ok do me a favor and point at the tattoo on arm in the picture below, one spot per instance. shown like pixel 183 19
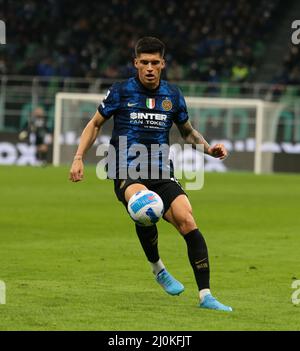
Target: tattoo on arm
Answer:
pixel 192 136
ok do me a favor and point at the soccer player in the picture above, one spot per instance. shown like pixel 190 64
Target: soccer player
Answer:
pixel 148 94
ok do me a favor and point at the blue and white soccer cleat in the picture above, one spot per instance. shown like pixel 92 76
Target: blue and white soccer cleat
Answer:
pixel 211 303
pixel 169 283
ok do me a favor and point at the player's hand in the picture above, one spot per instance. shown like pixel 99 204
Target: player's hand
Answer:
pixel 76 171
pixel 218 151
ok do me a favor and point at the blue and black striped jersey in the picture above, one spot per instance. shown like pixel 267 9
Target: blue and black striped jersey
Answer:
pixel 141 115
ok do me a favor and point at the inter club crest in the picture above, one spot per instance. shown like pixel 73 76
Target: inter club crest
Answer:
pixel 167 105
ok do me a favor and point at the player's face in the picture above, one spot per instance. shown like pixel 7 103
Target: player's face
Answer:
pixel 149 68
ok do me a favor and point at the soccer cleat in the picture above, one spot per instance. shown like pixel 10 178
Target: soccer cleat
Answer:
pixel 169 283
pixel 211 303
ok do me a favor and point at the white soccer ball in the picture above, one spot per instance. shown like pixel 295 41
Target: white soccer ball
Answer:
pixel 145 207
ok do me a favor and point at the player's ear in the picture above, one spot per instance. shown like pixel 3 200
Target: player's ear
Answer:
pixel 163 63
pixel 135 63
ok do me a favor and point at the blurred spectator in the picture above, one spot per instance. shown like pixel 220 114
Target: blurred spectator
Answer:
pixel 29 68
pixel 175 71
pixel 45 68
pixel 37 132
pixel 290 72
pixel 240 72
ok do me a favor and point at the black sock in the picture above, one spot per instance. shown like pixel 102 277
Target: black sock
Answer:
pixel 198 256
pixel 148 238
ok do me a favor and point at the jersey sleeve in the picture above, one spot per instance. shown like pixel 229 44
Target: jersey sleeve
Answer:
pixel 111 102
pixel 181 113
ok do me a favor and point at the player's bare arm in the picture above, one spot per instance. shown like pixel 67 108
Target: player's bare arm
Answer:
pixel 192 136
pixel 87 139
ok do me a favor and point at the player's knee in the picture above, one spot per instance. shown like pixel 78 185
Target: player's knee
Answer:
pixel 186 224
pixel 133 189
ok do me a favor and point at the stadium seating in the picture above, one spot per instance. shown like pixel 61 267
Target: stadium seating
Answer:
pixel 218 36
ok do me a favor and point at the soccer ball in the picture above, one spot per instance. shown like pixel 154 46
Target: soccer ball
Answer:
pixel 145 207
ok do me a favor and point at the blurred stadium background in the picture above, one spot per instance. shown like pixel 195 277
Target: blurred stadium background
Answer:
pixel 59 262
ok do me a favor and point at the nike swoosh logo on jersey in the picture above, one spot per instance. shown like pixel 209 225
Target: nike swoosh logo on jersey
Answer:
pixel 131 104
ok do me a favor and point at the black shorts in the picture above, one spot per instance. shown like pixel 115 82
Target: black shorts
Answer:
pixel 167 189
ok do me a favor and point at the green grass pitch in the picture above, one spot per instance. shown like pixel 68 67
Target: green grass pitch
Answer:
pixel 71 260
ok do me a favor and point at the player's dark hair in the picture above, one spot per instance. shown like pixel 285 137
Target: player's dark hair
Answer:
pixel 149 45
